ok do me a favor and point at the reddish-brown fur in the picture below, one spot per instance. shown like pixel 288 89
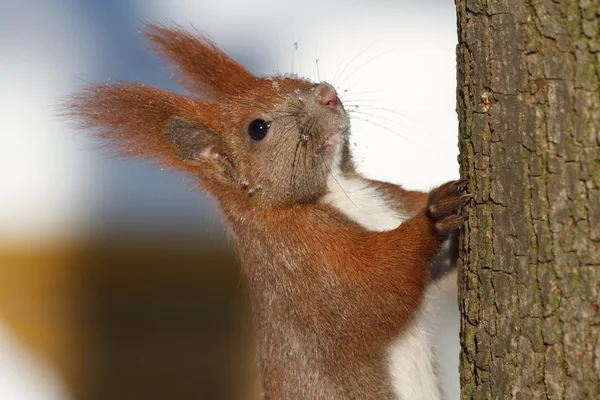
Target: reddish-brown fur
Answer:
pixel 328 295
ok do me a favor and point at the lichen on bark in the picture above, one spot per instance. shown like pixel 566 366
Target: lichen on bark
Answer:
pixel 528 101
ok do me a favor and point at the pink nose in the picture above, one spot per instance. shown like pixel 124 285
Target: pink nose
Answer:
pixel 327 95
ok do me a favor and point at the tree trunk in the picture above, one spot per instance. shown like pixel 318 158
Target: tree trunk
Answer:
pixel 529 268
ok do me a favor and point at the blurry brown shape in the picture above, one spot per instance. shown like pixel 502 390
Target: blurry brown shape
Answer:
pixel 133 320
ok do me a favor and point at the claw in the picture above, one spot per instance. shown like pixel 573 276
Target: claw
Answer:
pixel 466 198
pixel 445 206
pixel 462 182
pixel 449 224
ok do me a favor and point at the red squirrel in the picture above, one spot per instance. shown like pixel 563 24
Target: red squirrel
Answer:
pixel 336 264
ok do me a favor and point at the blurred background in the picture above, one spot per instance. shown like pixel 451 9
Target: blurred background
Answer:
pixel 116 277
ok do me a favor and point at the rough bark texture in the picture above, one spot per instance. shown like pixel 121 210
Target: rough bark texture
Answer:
pixel 529 269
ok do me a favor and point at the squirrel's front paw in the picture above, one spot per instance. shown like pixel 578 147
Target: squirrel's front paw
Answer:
pixel 445 205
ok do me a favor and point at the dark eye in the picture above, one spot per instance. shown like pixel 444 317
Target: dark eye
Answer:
pixel 258 129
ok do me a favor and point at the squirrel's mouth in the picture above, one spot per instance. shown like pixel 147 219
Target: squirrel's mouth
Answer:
pixel 333 140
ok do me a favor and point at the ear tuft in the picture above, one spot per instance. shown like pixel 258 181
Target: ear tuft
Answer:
pixel 193 142
pixel 140 120
pixel 207 69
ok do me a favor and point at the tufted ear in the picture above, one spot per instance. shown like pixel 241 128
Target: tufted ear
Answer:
pixel 195 142
pixel 145 121
pixel 207 69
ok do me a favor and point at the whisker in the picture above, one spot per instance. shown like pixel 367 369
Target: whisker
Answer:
pixel 349 94
pixel 347 65
pixel 294 55
pixel 293 180
pixel 337 182
pixel 403 121
pixel 383 127
pixel 369 107
pixel 336 72
pixel 362 65
pixel 318 72
pixel 372 115
pixel 282 137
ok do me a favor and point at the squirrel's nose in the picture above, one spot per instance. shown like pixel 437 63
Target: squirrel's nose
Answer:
pixel 326 94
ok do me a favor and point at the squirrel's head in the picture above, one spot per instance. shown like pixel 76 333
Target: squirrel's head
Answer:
pixel 274 138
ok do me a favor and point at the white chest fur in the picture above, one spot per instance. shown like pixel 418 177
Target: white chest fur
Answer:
pixel 411 358
pixel 362 203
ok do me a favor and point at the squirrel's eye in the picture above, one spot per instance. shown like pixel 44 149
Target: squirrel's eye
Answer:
pixel 258 129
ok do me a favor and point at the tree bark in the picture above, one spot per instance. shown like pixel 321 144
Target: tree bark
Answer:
pixel 529 268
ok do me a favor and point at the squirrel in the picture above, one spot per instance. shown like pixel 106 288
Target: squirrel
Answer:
pixel 336 264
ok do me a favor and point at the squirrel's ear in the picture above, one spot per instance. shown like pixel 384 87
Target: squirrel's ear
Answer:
pixel 209 70
pixel 141 120
pixel 195 142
